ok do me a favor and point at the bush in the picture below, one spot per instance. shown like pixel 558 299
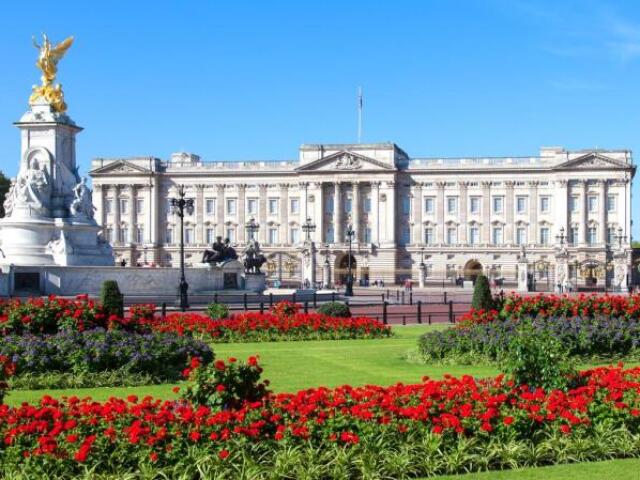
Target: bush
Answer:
pixel 537 358
pixel 335 309
pixel 223 386
pixel 482 298
pixel 7 368
pixel 217 311
pixel 111 299
pixel 162 356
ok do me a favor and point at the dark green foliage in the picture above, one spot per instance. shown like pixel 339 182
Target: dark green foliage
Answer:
pixel 217 311
pixel 5 184
pixel 111 298
pixel 536 358
pixel 335 309
pixel 482 298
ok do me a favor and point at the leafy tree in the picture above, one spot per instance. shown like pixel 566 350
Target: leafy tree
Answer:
pixel 482 298
pixel 111 298
pixel 5 183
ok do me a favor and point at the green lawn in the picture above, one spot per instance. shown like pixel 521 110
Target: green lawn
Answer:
pixel 291 366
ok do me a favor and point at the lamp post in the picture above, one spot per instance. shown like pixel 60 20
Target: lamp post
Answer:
pixel 308 228
pixel 252 227
pixel 561 237
pixel 348 291
pixel 179 206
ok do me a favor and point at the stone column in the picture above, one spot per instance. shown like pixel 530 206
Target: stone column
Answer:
pixel 462 213
pixel 391 212
pixel 533 212
pixel 584 212
pixel 242 188
pixel 262 212
pixel 200 230
pixel 355 210
pixel 304 189
pixel 486 212
pixel 116 214
pixel 602 212
pixel 284 213
pixel 132 214
pixel 155 214
pixel 508 213
pixel 375 212
pixel 220 210
pixel 416 211
pixel 561 204
pixel 98 197
pixel 440 213
pixel 337 217
pixel 318 214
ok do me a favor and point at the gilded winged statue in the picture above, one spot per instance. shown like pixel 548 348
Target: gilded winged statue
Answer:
pixel 47 62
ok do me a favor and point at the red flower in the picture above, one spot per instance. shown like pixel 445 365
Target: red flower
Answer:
pixel 223 454
pixel 507 420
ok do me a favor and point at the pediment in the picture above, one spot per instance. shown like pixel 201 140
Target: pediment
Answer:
pixel 344 161
pixel 121 167
pixel 593 160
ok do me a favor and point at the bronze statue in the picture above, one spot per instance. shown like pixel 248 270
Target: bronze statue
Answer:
pixel 48 59
pixel 253 259
pixel 220 252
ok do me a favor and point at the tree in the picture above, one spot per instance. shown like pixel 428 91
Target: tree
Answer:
pixel 5 184
pixel 482 298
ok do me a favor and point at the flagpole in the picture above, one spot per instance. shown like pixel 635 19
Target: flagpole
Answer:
pixel 359 114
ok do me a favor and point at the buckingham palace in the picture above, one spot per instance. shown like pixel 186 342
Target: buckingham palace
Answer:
pixel 450 218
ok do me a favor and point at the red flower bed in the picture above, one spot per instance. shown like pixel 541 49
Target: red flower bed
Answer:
pixel 549 306
pixel 65 435
pixel 254 326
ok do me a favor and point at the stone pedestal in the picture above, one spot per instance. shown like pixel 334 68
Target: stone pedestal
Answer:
pixel 523 275
pixel 422 271
pixel 308 264
pixel 326 275
pixel 561 272
pixel 621 271
pixel 49 211
pixel 254 282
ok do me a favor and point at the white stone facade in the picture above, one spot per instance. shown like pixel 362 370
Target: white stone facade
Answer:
pixel 462 215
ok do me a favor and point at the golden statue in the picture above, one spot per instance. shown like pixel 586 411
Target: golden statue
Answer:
pixel 48 63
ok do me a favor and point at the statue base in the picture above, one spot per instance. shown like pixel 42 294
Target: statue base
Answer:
pixel 255 282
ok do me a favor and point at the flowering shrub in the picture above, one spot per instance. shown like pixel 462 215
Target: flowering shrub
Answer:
pixel 162 356
pixel 543 305
pixel 610 337
pixel 285 309
pixel 52 314
pixel 217 311
pixel 260 327
pixel 446 426
pixel 7 368
pixel 221 385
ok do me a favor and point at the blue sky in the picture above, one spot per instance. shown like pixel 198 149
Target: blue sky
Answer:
pixel 253 80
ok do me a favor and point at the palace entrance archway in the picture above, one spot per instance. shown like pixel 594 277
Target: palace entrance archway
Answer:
pixel 342 269
pixel 472 269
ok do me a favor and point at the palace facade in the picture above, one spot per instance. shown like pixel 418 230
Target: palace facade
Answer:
pixel 459 216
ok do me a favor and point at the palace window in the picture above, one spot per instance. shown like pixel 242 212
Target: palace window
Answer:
pixel 521 204
pixel 273 206
pixel 452 235
pixel 348 204
pixel 611 203
pixel 294 235
pixel 330 235
pixel 474 235
pixel 429 238
pixel 592 236
pixel 405 235
pixel 273 235
pixel 573 235
pixel 474 205
pixel 496 235
pixel 211 235
pixel 140 235
pixel 592 203
pixel 406 205
pixel 168 236
pixel 521 236
pixel 328 204
pixel 109 235
pixel 252 206
pixel 124 235
pixel 367 204
pixel 611 235
pixel 544 204
pixel 124 206
pixel 544 236
pixel 210 205
pixel 108 205
pixel 428 204
pixel 295 205
pixel 189 237
pixel 498 204
pixel 231 234
pixel 367 235
pixel 452 204
pixel 573 203
pixel 231 206
pixel 139 205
